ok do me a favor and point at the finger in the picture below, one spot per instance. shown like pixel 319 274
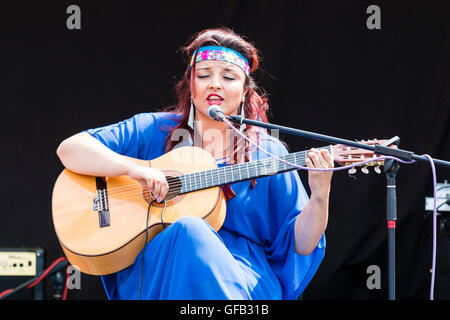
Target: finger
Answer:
pixel 323 160
pixel 156 189
pixel 163 185
pixel 309 163
pixel 328 158
pixel 149 184
pixel 314 156
pixel 164 189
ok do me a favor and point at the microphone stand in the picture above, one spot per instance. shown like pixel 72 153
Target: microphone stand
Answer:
pixel 390 167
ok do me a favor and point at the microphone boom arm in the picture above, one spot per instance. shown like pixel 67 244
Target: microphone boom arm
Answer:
pixel 386 151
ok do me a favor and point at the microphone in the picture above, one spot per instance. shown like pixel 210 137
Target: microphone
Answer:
pixel 215 112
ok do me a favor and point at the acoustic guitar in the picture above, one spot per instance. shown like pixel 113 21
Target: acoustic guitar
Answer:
pixel 101 222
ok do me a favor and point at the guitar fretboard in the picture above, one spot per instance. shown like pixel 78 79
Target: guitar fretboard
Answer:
pixel 243 171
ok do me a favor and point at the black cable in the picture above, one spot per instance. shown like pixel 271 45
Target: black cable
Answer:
pixel 143 250
pixel 162 221
pixel 145 243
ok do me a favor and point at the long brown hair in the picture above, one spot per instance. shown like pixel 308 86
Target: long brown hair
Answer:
pixel 255 104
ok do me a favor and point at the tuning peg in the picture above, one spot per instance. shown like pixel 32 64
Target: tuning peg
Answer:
pixel 352 170
pixel 377 169
pixel 365 170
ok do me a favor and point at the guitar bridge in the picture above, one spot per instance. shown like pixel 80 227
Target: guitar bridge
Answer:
pixel 101 202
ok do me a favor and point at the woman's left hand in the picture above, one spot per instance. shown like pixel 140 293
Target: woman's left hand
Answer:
pixel 319 181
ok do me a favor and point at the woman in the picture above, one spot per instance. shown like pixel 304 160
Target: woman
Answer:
pixel 272 240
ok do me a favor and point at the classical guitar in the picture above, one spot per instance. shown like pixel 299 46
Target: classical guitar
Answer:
pixel 101 222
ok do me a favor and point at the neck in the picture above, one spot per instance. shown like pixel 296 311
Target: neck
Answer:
pixel 212 136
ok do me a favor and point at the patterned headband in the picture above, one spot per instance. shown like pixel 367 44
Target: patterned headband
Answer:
pixel 221 54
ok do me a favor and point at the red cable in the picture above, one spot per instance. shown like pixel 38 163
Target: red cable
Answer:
pixel 5 292
pixel 66 286
pixel 31 285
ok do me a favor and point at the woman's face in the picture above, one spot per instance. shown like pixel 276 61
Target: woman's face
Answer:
pixel 220 83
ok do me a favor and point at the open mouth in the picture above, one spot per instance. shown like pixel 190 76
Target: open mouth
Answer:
pixel 214 99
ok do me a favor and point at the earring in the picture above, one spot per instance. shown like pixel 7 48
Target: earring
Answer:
pixel 243 125
pixel 191 117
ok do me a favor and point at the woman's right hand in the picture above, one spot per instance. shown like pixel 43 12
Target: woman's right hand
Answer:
pixel 151 178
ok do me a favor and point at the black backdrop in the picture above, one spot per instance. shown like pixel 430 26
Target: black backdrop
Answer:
pixel 324 69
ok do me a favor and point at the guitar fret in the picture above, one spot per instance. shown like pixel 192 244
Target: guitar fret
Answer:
pixel 223 177
pixel 256 170
pixel 239 172
pixel 222 174
pixel 182 184
pixel 269 165
pixel 209 177
pixel 248 174
pixel 217 177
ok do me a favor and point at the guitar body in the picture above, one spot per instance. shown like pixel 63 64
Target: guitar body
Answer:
pixel 103 248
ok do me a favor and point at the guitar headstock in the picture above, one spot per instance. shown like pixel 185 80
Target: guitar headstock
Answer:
pixel 346 155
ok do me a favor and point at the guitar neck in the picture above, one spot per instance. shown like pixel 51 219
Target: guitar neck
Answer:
pixel 241 172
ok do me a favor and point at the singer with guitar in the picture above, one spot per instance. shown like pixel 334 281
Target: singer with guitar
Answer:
pixel 266 240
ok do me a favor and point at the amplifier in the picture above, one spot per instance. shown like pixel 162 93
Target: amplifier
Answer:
pixel 18 265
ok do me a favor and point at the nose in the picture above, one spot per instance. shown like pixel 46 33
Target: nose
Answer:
pixel 215 82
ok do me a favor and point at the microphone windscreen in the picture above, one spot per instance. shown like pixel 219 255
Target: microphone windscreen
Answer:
pixel 215 112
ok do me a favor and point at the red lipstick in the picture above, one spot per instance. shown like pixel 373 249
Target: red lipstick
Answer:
pixel 214 99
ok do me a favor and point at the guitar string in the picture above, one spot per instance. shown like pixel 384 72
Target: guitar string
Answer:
pixel 191 179
pixel 235 169
pixel 196 175
pixel 208 176
pixel 136 191
pixel 200 176
pixel 139 195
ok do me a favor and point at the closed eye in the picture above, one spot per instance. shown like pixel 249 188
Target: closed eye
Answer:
pixel 206 76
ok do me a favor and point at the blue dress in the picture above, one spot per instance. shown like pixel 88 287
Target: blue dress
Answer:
pixel 251 257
